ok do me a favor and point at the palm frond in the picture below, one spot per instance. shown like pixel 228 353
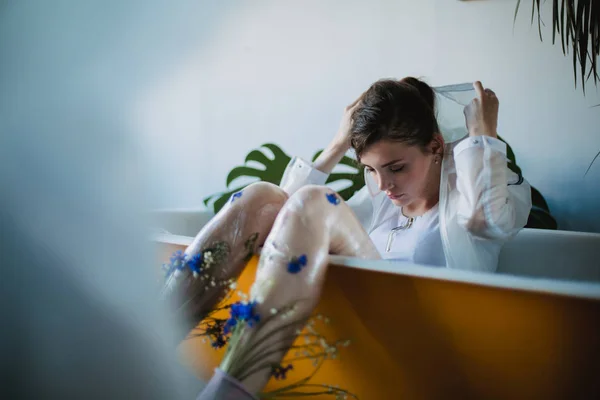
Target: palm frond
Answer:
pixel 592 163
pixel 578 24
pixel 555 20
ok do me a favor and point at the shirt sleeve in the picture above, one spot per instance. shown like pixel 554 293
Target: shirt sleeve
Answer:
pixel 494 202
pixel 299 173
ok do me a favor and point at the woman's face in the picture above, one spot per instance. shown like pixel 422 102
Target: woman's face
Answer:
pixel 404 172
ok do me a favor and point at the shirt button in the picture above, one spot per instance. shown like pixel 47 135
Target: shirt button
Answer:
pixel 475 141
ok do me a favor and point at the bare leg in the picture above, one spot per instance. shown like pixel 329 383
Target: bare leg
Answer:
pixel 222 248
pixel 313 223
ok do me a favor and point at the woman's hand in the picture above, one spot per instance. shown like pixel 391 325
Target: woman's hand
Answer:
pixel 342 138
pixel 340 144
pixel 482 113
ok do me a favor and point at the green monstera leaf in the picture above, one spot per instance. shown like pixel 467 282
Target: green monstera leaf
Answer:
pixel 272 171
pixel 273 168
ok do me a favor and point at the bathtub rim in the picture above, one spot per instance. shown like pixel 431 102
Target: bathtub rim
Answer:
pixel 588 290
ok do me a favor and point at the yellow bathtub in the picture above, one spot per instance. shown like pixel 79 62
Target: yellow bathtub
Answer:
pixel 424 333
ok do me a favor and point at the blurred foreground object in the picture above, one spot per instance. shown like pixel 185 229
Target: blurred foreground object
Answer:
pixel 80 312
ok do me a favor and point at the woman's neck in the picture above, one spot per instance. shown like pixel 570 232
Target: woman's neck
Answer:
pixel 429 200
pixel 420 207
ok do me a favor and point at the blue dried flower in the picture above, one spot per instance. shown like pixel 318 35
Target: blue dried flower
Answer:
pixel 333 198
pixel 236 195
pixel 178 260
pixel 279 371
pixel 245 312
pixel 297 264
pixel 240 312
pixel 229 325
pixel 195 263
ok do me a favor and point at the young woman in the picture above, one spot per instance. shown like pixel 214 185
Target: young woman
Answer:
pixel 442 204
pixel 426 201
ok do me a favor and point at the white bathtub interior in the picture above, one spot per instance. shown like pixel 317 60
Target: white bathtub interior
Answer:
pixel 562 255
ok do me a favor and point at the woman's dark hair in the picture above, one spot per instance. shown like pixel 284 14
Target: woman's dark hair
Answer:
pixel 402 111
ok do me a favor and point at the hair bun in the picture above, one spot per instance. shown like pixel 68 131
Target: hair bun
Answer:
pixel 424 90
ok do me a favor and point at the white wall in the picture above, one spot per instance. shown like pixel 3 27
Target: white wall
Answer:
pixel 205 82
pixel 276 71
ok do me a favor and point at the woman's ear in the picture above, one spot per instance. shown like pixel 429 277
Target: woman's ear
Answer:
pixel 436 146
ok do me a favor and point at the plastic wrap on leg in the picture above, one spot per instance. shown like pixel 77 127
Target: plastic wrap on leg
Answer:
pixel 202 276
pixel 290 276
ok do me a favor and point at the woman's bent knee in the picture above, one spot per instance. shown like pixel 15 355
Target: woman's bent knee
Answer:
pixel 313 200
pixel 258 194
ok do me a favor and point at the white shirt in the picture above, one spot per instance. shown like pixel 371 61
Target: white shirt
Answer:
pixel 420 243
